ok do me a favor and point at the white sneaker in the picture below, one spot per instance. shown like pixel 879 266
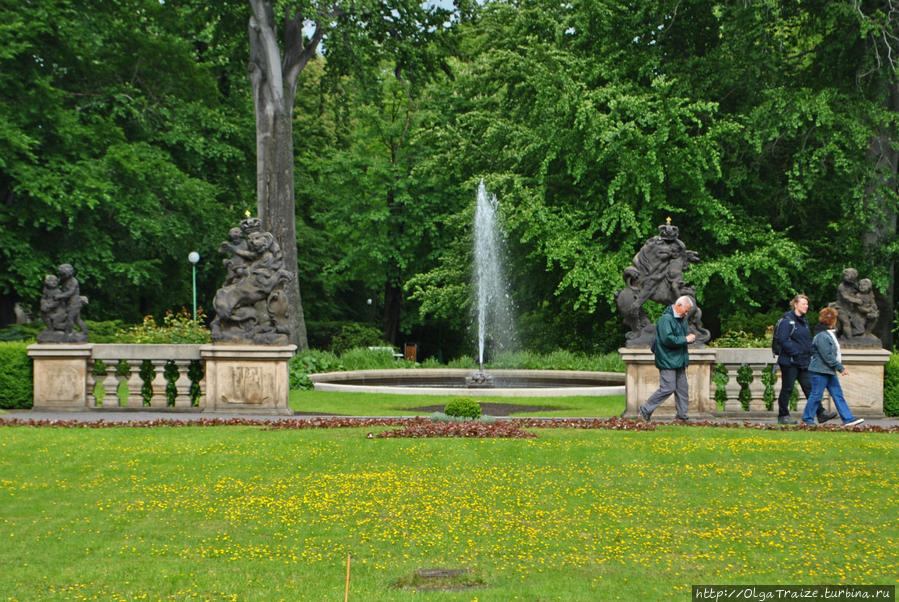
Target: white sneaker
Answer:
pixel 853 422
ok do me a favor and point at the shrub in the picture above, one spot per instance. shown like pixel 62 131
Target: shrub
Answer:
pixel 16 380
pixel 720 378
pixel 891 386
pixel 744 379
pixel 354 335
pixel 22 332
pixel 463 407
pixel 177 327
pixel 740 339
pixel 769 379
pixel 363 358
pixel 309 362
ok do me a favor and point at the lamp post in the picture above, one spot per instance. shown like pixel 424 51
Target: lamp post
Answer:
pixel 193 258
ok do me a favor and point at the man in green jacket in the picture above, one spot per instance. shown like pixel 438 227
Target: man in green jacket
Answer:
pixel 672 359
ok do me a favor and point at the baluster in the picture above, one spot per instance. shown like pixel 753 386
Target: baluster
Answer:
pixel 182 385
pixel 159 399
pixel 90 382
pixel 201 401
pixel 134 384
pixel 111 386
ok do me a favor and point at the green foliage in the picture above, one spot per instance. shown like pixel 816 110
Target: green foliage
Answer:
pixel 147 373
pixel 176 328
pixel 311 361
pixel 16 380
pixel 559 359
pixel 891 386
pixel 794 398
pixel 363 358
pixel 170 373
pixel 769 379
pixel 463 407
pixel 356 334
pixel 195 373
pixel 740 339
pixel 22 332
pixel 106 331
pixel 720 378
pixel 744 379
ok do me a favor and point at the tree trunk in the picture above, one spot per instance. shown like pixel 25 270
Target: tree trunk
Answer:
pixel 274 83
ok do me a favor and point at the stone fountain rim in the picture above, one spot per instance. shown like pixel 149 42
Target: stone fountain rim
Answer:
pixel 335 381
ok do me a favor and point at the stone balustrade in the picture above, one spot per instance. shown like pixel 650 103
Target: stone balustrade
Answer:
pixel 232 378
pixel 862 387
pixel 108 359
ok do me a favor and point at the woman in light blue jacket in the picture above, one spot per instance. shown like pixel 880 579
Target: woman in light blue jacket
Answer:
pixel 826 363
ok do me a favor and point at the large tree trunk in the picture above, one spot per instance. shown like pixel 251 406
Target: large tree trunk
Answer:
pixel 274 83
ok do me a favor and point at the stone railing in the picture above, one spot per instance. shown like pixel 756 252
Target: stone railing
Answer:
pixel 108 359
pixel 233 378
pixel 862 387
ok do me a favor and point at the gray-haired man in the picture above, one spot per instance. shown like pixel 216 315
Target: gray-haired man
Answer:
pixel 672 359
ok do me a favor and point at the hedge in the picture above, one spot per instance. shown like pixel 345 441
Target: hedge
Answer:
pixel 16 380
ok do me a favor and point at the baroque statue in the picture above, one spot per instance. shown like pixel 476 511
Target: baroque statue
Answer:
pixel 857 311
pixel 251 307
pixel 61 303
pixel 657 274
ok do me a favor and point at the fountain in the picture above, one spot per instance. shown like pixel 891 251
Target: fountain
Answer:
pixel 493 315
pixel 493 305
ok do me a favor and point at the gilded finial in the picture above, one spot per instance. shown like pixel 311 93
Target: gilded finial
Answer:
pixel 247 213
pixel 667 220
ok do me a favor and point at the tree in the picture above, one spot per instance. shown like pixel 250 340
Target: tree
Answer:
pixel 120 154
pixel 363 34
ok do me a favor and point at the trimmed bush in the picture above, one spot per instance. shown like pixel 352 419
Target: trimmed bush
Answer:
pixel 354 335
pixel 16 376
pixel 463 407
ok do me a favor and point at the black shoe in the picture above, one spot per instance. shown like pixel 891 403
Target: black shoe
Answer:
pixel 646 415
pixel 681 419
pixel 786 419
pixel 825 416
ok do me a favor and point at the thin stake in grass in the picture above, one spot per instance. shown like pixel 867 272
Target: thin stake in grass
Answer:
pixel 346 595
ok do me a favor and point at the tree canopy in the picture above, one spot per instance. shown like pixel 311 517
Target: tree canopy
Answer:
pixel 768 133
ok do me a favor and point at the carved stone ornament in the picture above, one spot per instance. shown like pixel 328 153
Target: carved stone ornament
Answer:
pixel 251 307
pixel 61 304
pixel 857 312
pixel 657 274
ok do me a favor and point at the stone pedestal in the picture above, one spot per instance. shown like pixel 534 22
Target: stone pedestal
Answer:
pixel 247 379
pixel 60 375
pixel 642 379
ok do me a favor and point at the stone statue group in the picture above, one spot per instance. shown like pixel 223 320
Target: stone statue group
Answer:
pixel 251 308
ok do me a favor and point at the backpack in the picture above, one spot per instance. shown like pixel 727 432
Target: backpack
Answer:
pixel 776 343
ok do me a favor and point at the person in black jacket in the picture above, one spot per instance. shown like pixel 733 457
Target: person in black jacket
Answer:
pixel 795 355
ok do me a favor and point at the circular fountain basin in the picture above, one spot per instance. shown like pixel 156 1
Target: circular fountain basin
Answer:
pixel 451 381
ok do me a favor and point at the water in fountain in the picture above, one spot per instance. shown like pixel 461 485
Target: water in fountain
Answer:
pixel 494 306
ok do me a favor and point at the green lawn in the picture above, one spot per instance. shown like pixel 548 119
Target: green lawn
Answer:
pixel 248 514
pixel 367 404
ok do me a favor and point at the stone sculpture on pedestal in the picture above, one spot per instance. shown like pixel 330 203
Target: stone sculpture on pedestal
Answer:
pixel 657 275
pixel 61 304
pixel 251 308
pixel 858 311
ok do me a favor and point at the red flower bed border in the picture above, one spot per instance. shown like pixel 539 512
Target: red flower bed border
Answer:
pixel 423 427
